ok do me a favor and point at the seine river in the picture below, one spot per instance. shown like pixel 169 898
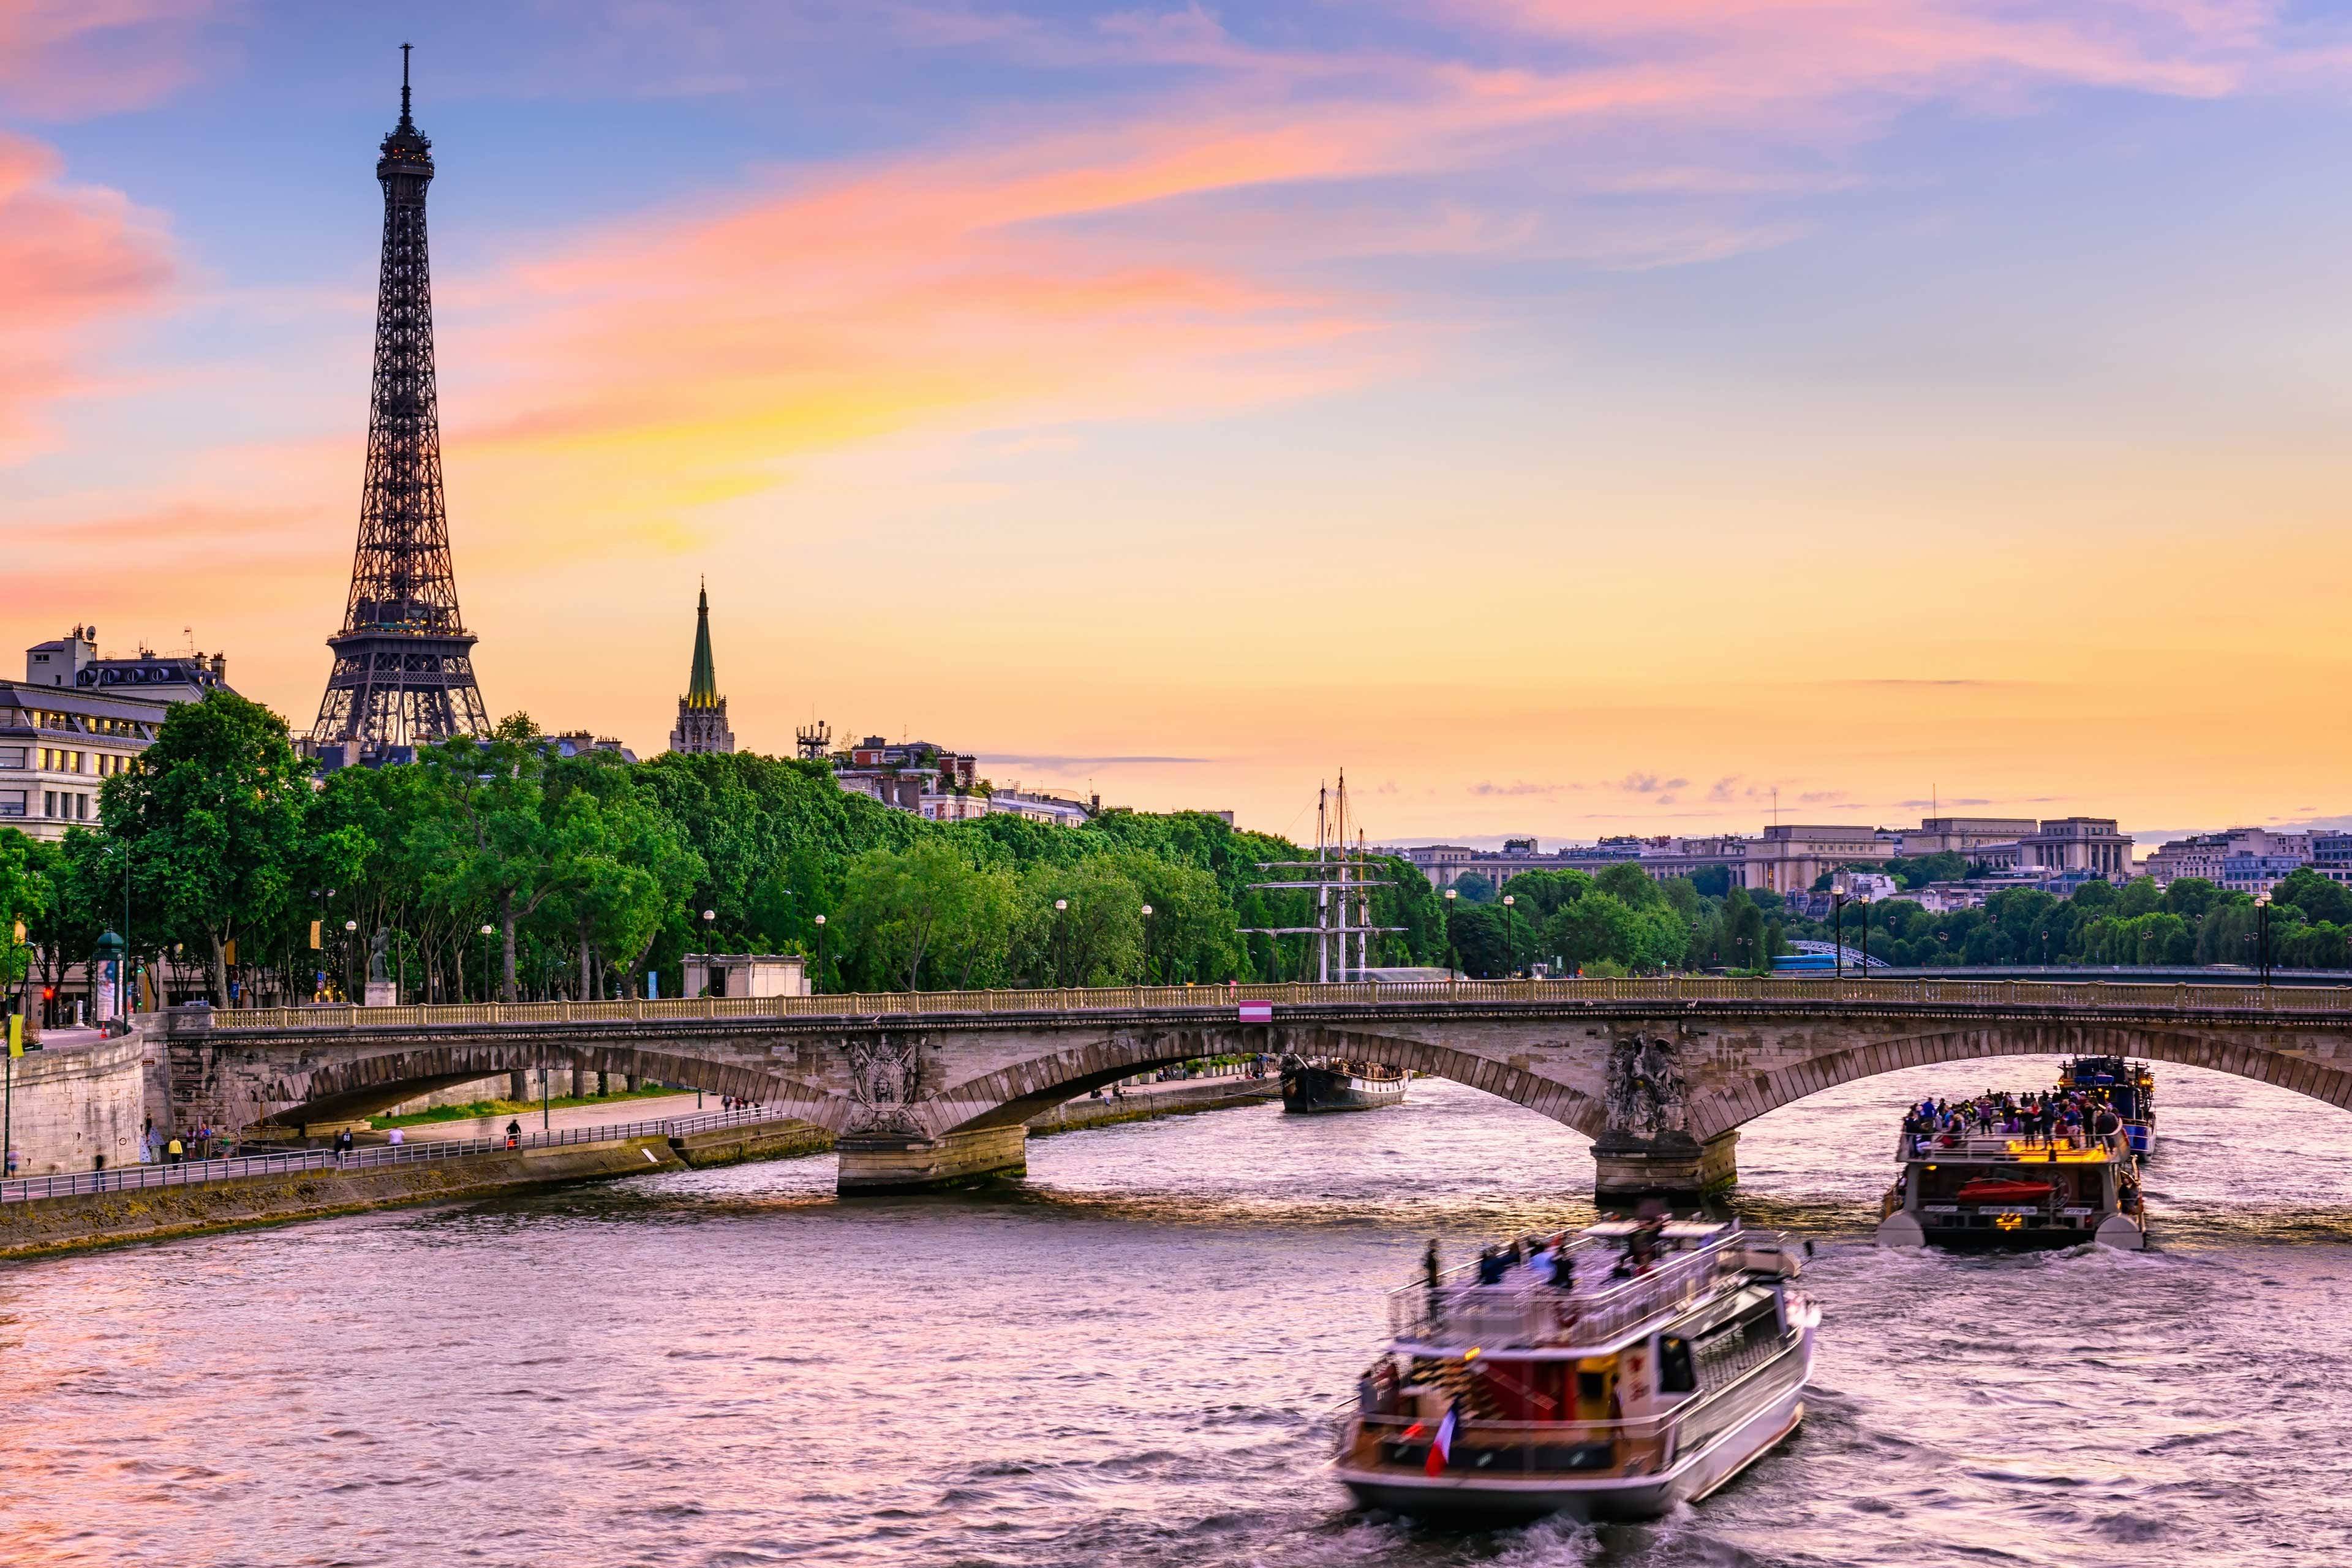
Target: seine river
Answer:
pixel 1130 1360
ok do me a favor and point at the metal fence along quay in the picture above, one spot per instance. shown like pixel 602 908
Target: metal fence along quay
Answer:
pixel 1914 993
pixel 293 1161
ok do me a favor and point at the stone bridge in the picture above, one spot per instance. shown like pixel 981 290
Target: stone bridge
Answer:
pixel 933 1087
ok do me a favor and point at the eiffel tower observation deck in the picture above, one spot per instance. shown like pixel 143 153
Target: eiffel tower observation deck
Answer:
pixel 404 672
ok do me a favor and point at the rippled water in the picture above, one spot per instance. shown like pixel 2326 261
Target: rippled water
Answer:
pixel 1129 1361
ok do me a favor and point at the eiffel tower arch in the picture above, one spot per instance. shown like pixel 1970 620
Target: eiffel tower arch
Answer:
pixel 404 672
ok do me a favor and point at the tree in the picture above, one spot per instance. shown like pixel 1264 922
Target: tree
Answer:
pixel 925 910
pixel 2319 899
pixel 26 895
pixel 499 837
pixel 1477 934
pixel 212 821
pixel 1543 894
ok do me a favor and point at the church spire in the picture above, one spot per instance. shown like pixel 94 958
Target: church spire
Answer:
pixel 702 713
pixel 702 687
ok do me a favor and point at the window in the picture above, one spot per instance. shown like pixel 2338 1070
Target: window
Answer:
pixel 12 803
pixel 48 803
pixel 12 757
pixel 1678 1374
pixel 81 807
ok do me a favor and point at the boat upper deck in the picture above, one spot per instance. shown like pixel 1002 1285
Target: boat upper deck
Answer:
pixel 2011 1148
pixel 1621 1277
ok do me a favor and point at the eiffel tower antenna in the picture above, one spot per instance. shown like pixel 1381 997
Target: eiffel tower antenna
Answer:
pixel 404 672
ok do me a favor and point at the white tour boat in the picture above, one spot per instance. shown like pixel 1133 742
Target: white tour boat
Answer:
pixel 1664 1359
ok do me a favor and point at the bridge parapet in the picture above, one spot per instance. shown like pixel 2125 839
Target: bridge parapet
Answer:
pixel 2093 995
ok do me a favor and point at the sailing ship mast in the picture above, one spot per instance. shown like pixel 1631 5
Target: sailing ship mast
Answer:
pixel 1337 872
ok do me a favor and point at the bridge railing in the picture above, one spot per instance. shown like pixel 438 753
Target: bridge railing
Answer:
pixel 1667 991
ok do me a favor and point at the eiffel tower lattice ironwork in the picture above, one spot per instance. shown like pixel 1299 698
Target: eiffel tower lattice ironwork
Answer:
pixel 403 669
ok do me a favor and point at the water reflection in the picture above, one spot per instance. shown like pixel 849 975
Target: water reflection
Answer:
pixel 1128 1358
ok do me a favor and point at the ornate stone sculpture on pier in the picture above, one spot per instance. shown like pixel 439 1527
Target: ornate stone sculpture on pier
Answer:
pixel 1647 1149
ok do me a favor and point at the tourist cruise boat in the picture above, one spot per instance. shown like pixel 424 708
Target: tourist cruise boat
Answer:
pixel 1334 1085
pixel 2013 1190
pixel 2128 1086
pixel 1673 1357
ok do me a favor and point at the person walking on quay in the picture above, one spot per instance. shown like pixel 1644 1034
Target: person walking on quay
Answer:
pixel 514 1134
pixel 344 1141
pixel 171 1153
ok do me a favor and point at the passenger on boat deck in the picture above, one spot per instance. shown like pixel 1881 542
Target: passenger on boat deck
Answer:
pixel 1491 1267
pixel 1539 1263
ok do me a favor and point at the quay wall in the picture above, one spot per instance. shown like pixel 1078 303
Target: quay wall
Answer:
pixel 792 1140
pixel 67 1107
pixel 157 1214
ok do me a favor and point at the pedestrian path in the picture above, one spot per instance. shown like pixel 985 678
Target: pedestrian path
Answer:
pixel 651 1108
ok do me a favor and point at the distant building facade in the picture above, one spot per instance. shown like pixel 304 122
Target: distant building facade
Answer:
pixel 702 713
pixel 2208 855
pixel 77 720
pixel 73 661
pixel 1788 858
pixel 58 744
pixel 1965 834
pixel 2331 856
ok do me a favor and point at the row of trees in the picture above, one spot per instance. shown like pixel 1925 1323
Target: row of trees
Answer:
pixel 503 867
pixel 2186 922
pixel 1619 922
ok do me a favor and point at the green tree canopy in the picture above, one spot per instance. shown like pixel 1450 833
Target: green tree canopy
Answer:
pixel 212 822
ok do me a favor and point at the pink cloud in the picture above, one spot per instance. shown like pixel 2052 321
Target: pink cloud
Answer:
pixel 72 258
pixel 65 59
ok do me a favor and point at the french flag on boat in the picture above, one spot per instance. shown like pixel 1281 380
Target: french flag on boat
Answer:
pixel 1441 1447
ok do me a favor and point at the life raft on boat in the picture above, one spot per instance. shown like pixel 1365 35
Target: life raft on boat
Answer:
pixel 1989 1190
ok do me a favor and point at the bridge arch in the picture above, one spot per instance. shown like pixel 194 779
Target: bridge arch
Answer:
pixel 351 1089
pixel 1012 1095
pixel 1742 1100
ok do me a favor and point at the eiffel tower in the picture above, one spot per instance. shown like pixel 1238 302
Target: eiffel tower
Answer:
pixel 403 671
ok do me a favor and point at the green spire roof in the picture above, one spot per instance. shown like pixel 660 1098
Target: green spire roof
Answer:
pixel 702 692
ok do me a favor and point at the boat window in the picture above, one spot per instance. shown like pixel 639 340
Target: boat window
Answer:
pixel 1592 1386
pixel 1677 1372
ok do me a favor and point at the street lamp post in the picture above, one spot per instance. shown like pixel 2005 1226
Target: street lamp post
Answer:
pixel 1510 935
pixel 1837 932
pixel 820 951
pixel 108 954
pixel 1061 943
pixel 1146 944
pixel 350 926
pixel 1866 936
pixel 11 1048
pixel 483 966
pixel 2263 925
pixel 1452 953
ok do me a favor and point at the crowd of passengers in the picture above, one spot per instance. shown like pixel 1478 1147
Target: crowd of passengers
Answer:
pixel 1545 1259
pixel 2068 1117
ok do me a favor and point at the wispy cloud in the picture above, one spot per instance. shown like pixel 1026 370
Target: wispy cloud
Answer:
pixel 1049 759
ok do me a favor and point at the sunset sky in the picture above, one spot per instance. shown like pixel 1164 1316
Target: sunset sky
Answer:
pixel 1570 416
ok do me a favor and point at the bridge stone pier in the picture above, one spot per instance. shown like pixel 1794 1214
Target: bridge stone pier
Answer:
pixel 932 1089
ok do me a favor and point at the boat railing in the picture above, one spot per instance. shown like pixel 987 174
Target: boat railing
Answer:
pixel 1521 1309
pixel 1530 1447
pixel 2026 1146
